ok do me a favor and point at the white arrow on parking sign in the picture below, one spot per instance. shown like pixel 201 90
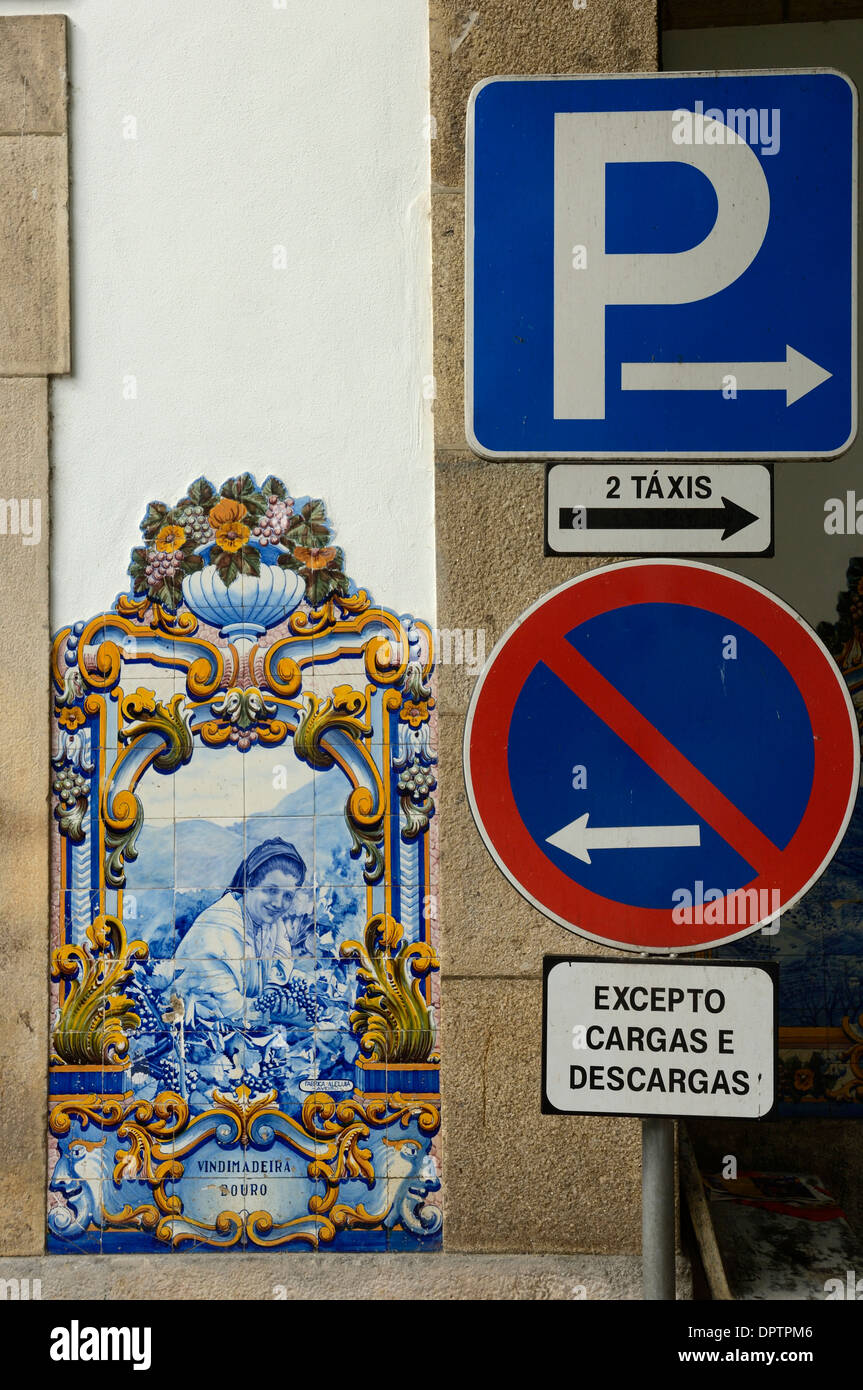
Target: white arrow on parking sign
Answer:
pixel 796 376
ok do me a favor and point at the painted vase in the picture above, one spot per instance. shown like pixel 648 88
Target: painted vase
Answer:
pixel 249 606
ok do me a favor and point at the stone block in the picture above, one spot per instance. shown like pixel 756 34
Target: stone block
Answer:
pixel 34 256
pixel 499 37
pixel 518 1180
pixel 448 281
pixel 25 776
pixel 33 74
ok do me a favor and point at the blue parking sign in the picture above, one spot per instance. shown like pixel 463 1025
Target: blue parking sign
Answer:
pixel 662 265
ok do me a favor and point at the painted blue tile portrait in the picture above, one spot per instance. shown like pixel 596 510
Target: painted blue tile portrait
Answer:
pixel 244 973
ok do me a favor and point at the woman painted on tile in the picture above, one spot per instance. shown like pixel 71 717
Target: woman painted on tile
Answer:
pixel 240 946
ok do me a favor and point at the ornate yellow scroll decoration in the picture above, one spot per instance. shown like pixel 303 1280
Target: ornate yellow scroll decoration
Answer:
pixel 341 1128
pixel 324 619
pixel 392 1019
pixel 181 624
pixel 348 711
pixel 157 1135
pixel 850 1086
pixel 243 716
pixel 122 811
pixel 96 1017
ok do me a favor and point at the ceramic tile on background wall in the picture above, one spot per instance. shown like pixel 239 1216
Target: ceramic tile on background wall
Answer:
pixel 244 1012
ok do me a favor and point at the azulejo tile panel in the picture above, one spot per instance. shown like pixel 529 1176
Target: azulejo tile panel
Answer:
pixel 244 973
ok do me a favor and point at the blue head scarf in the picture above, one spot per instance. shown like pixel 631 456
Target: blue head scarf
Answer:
pixel 260 857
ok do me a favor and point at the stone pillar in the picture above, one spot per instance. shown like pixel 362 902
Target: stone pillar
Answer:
pixel 516 1180
pixel 34 344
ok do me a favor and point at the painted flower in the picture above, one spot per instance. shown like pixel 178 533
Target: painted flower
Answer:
pixel 72 718
pixel 169 539
pixel 226 512
pixel 232 535
pixel 415 714
pixel 804 1079
pixel 316 558
pixel 226 519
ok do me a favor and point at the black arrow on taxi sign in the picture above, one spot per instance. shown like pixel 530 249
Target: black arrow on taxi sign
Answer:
pixel 729 518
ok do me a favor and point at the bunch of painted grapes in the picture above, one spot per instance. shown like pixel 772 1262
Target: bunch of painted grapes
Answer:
pixel 302 993
pixel 167 1072
pixel 271 527
pixel 273 1071
pixel 195 523
pixel 161 566
pixel 419 781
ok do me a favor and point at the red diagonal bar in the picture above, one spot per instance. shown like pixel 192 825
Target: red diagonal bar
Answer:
pixel 664 759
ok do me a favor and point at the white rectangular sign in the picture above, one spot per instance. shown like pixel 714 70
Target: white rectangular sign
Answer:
pixel 666 509
pixel 673 1038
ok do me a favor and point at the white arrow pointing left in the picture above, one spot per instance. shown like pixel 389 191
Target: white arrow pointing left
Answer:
pixel 577 839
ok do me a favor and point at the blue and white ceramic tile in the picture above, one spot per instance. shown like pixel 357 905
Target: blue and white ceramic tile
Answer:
pixel 243 962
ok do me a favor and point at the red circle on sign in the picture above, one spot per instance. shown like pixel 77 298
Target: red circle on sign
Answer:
pixel 788 872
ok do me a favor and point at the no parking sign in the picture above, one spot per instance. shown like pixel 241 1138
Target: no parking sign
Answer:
pixel 661 756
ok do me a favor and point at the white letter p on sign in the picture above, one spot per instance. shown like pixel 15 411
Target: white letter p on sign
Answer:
pixel 584 143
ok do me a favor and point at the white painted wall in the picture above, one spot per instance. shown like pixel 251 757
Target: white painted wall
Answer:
pixel 257 125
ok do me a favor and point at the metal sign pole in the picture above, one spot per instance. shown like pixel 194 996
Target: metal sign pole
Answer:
pixel 657 1208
